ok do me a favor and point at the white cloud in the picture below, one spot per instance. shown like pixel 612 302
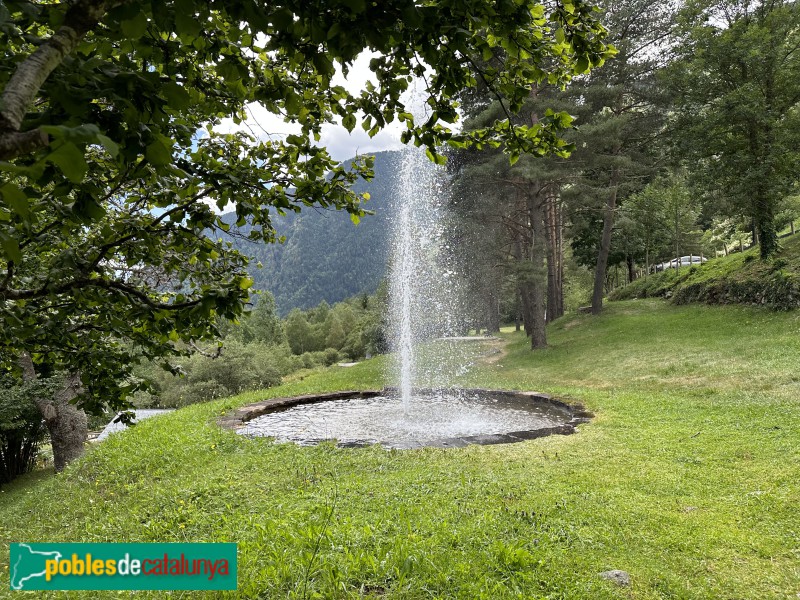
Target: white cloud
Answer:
pixel 340 143
pixel 343 145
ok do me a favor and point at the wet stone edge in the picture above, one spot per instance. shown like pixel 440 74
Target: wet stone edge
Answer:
pixel 239 418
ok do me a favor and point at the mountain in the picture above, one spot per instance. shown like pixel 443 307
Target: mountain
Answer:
pixel 325 256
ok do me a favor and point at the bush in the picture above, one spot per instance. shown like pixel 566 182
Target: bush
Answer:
pixel 312 360
pixel 238 368
pixel 21 427
pixel 330 356
pixel 193 392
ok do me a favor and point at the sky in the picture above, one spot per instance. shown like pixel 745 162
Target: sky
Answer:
pixel 340 143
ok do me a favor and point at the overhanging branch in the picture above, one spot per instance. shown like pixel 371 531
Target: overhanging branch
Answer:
pixel 23 87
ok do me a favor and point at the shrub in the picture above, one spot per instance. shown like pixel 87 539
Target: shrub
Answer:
pixel 21 427
pixel 193 392
pixel 238 368
pixel 312 359
pixel 330 356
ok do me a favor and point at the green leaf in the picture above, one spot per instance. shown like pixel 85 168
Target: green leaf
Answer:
pixel 70 160
pixel 10 247
pixel 87 208
pixel 245 283
pixel 176 95
pixel 323 64
pixel 282 19
pixel 16 199
pixel 357 6
pixel 334 31
pixel 82 134
pixel 349 122
pixel 158 154
pixel 12 168
pixel 355 218
pixel 435 157
pixel 187 23
pixel 110 145
pixel 295 140
pixel 135 27
pixel 228 70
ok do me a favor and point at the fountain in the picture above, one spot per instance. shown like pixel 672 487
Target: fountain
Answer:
pixel 424 407
pixel 423 290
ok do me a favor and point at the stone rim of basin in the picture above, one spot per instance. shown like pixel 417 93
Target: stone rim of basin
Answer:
pixel 239 418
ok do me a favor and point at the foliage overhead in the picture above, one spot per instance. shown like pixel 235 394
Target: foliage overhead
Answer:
pixel 109 115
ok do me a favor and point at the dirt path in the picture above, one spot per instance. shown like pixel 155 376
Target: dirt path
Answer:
pixel 497 350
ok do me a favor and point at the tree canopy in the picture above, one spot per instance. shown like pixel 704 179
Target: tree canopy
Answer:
pixel 736 89
pixel 112 162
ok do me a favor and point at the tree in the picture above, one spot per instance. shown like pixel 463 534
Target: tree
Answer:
pixel 645 224
pixel 108 112
pixel 264 325
pixel 736 92
pixel 299 334
pixel 681 213
pixel 619 119
pixel 661 220
pixel 511 216
pixel 336 335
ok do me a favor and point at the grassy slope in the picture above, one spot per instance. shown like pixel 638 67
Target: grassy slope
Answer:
pixel 736 278
pixel 687 478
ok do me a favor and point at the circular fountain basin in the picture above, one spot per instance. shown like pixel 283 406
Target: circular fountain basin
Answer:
pixel 439 418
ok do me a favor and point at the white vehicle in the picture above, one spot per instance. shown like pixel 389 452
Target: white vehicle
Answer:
pixel 683 261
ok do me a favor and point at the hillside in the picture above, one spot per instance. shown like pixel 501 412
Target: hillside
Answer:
pixel 325 256
pixel 739 278
pixel 687 478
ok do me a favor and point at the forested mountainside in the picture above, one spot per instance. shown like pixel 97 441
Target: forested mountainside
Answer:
pixel 325 256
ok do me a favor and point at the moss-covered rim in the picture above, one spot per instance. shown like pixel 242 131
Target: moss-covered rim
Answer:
pixel 578 415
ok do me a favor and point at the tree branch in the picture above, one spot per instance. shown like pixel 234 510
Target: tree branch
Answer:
pixel 14 143
pixel 23 87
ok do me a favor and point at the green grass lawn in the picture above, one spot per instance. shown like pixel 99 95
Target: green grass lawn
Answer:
pixel 687 478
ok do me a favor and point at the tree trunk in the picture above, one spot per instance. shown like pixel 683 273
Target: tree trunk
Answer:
pixel 67 424
pixel 493 312
pixel 538 253
pixel 526 296
pixel 555 259
pixel 522 289
pixel 631 269
pixel 529 250
pixel 766 235
pixel 605 247
pixel 677 237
